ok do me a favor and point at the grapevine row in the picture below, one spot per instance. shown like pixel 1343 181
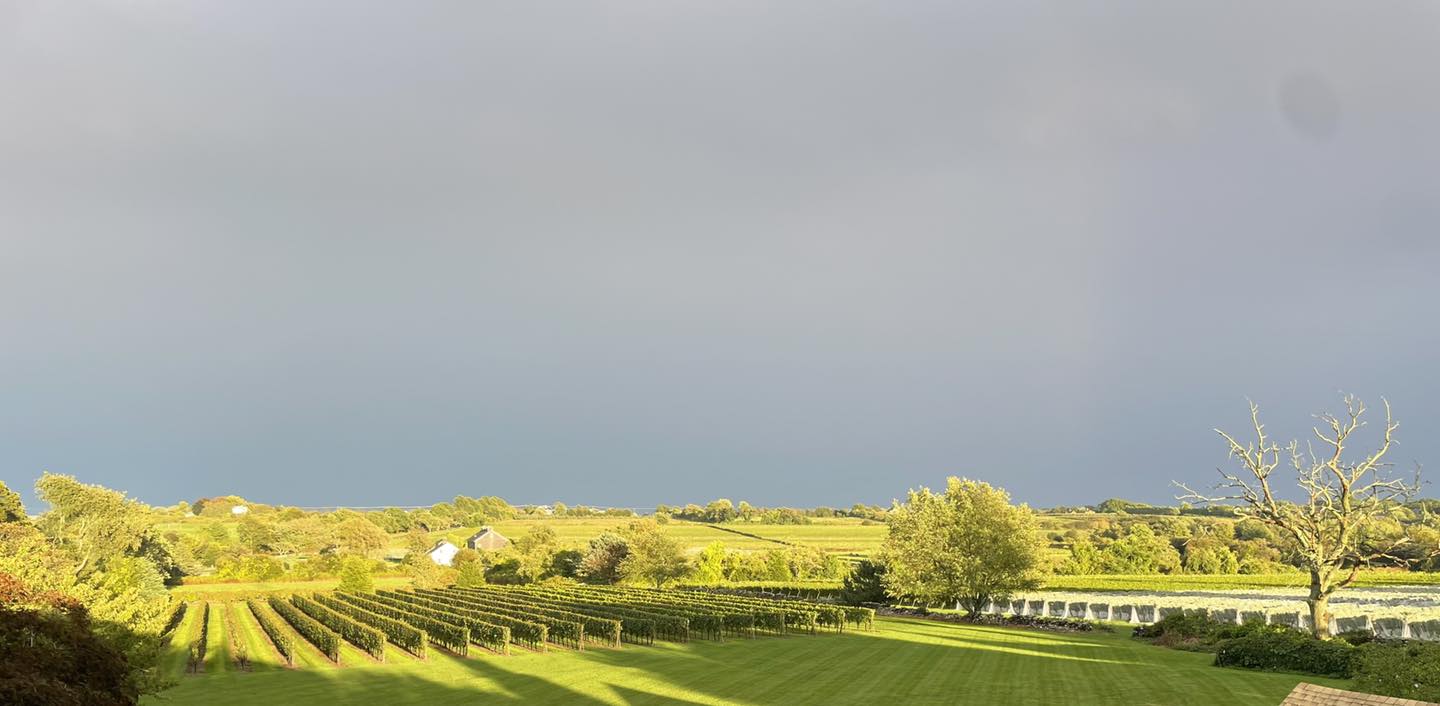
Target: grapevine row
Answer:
pixel 570 633
pixel 524 632
pixel 454 633
pixel 397 632
pixel 282 642
pixel 369 639
pixel 323 638
pixel 603 631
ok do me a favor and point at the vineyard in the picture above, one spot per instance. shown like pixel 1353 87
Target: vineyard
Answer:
pixel 338 628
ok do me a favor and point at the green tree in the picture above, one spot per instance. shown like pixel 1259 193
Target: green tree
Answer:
pixel 469 568
pixel 534 553
pixel 1140 551
pixel 777 566
pixel 356 575
pixel 1208 556
pixel 710 565
pixel 654 557
pixel 1084 559
pixel 565 563
pixel 258 535
pixel 721 510
pixel 357 535
pixel 968 545
pixel 866 584
pixel 428 574
pixel 127 600
pixel 745 511
pixel 53 656
pixel 94 522
pixel 11 509
pixel 603 558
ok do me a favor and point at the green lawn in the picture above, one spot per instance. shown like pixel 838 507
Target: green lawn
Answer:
pixel 902 662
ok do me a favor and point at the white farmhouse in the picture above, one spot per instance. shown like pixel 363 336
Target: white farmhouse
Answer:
pixel 238 510
pixel 443 553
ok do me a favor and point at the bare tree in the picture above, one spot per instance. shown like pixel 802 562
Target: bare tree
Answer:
pixel 1344 496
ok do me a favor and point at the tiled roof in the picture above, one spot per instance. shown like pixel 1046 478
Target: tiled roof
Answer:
pixel 1313 695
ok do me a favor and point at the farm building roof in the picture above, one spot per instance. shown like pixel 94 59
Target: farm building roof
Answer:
pixel 1313 695
pixel 488 539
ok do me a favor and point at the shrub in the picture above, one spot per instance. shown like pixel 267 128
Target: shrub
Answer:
pixel 1409 670
pixel 1179 626
pixel 1286 650
pixel 1356 637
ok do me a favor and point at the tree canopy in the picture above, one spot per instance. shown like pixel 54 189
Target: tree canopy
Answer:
pixel 968 545
pixel 654 557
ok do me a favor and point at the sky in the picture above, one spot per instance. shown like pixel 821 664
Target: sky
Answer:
pixel 625 253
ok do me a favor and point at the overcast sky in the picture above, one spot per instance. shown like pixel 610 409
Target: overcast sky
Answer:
pixel 638 252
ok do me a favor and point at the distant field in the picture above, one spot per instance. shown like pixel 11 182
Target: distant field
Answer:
pixel 902 662
pixel 220 591
pixel 838 536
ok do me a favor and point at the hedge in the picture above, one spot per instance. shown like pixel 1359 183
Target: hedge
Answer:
pixel 1287 650
pixel 1409 670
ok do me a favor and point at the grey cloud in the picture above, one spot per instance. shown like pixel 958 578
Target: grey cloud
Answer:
pixel 638 252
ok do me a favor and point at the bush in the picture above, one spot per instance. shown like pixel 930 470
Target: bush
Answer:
pixel 1409 670
pixel 1283 649
pixel 1196 632
pixel 1179 626
pixel 1356 637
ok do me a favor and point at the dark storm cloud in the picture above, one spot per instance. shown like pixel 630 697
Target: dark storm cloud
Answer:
pixel 638 252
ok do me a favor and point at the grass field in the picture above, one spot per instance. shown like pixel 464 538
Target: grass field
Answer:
pixel 902 662
pixel 839 535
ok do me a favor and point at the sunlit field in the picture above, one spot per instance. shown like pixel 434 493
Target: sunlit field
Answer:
pixel 837 536
pixel 901 662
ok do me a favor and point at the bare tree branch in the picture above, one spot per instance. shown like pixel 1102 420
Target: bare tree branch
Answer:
pixel 1344 498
